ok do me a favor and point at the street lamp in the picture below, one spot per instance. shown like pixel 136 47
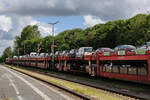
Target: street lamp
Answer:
pixel 53 34
pixel 53 41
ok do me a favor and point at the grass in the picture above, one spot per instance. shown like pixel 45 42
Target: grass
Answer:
pixel 92 92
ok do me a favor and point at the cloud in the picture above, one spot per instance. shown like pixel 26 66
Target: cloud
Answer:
pixel 105 9
pixel 5 23
pixel 44 28
pixel 16 14
pixel 90 20
pixel 11 26
pixel 4 44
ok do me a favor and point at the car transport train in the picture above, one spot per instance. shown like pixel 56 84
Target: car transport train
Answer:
pixel 125 62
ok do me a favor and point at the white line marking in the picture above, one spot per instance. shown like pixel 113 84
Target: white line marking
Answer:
pixel 57 92
pixel 44 96
pixel 14 86
pixel 20 97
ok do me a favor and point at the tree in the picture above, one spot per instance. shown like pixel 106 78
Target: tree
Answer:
pixel 28 33
pixel 46 43
pixel 68 39
pixel 134 31
pixel 31 45
pixel 7 53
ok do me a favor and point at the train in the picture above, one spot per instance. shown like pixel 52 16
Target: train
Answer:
pixel 129 65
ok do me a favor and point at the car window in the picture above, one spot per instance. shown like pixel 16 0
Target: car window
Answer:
pixel 88 49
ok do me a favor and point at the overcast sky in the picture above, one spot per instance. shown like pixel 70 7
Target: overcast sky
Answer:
pixel 16 14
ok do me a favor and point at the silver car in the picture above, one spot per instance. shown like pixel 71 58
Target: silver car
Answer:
pixel 145 45
pixel 125 47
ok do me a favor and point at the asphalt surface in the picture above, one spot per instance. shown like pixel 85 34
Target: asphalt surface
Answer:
pixel 17 86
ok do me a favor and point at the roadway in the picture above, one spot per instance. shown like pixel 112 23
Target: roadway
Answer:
pixel 17 86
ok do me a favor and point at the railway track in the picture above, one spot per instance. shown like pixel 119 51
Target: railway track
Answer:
pixel 106 89
pixel 84 97
pixel 110 90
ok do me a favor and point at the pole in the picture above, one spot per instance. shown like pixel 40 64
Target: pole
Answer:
pixel 53 44
pixel 24 49
pixel 18 57
pixel 53 40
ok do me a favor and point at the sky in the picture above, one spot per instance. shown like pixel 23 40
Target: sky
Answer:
pixel 16 14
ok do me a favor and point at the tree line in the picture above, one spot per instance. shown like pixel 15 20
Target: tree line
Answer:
pixel 134 31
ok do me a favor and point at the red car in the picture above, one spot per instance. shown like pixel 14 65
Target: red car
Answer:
pixel 101 50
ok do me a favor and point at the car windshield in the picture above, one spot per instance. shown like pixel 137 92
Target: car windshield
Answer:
pixel 88 49
pixel 106 49
pixel 63 52
pixel 129 46
pixel 72 51
pixel 101 49
pixel 125 46
pixel 56 52
pixel 146 44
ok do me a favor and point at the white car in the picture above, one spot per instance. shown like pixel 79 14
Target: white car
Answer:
pixel 43 55
pixel 84 51
pixel 15 57
pixel 33 54
pixel 146 46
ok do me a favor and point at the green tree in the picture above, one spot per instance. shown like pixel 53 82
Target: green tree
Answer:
pixel 46 43
pixel 68 39
pixel 28 33
pixel 7 53
pixel 134 31
pixel 31 45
